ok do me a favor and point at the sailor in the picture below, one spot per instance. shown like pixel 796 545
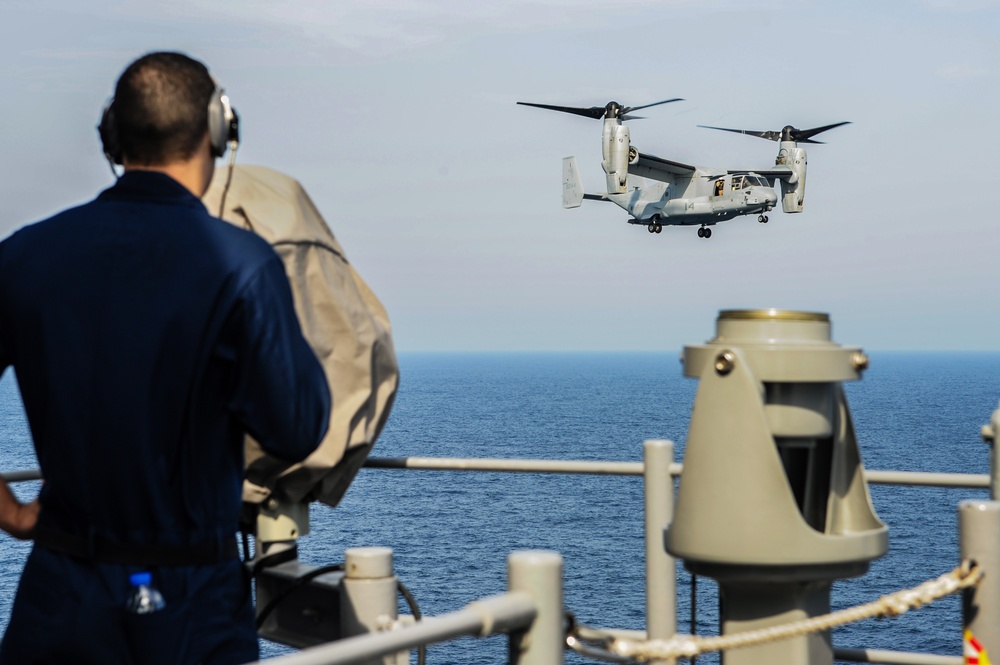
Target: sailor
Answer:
pixel 148 338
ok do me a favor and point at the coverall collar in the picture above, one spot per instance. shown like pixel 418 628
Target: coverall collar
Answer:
pixel 150 186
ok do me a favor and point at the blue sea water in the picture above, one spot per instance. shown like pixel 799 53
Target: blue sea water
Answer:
pixel 452 531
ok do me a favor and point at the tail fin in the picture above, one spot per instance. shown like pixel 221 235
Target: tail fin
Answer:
pixel 572 195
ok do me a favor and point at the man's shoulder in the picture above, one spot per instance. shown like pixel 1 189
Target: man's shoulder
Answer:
pixel 40 228
pixel 190 231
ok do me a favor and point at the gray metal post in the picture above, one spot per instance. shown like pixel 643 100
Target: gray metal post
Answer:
pixel 990 433
pixel 661 571
pixel 369 593
pixel 539 573
pixel 979 539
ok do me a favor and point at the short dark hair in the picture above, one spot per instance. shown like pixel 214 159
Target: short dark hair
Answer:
pixel 161 108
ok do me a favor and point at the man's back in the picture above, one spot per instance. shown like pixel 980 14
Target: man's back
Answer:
pixel 145 339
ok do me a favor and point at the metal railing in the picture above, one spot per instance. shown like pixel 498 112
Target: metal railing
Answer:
pixel 534 601
pixel 602 468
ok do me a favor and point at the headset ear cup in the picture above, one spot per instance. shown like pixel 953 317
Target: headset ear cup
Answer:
pixel 223 125
pixel 108 132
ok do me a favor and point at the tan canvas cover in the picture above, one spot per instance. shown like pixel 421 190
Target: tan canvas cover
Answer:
pixel 341 318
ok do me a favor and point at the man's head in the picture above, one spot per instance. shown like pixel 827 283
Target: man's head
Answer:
pixel 161 109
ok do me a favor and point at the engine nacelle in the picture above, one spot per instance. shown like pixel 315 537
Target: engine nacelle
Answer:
pixel 793 190
pixel 616 155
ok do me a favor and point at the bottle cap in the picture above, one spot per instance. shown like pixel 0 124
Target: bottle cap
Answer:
pixel 139 579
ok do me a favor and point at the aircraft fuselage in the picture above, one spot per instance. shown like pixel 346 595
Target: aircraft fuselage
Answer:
pixel 704 198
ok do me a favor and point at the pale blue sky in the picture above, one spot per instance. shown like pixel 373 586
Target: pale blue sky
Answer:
pixel 400 120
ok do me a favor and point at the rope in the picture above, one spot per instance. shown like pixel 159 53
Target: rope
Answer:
pixel 689 646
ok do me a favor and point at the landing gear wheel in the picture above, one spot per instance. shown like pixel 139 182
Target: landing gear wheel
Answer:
pixel 708 233
pixel 762 219
pixel 651 228
pixel 659 227
pixel 701 232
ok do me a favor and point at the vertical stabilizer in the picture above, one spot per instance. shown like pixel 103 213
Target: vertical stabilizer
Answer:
pixel 572 195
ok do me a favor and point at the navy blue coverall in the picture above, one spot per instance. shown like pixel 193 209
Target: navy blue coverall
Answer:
pixel 147 338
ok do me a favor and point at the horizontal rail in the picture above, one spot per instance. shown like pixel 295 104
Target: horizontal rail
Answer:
pixel 924 478
pixel 914 478
pixel 21 476
pixel 497 614
pixel 512 465
pixel 929 479
pixel 895 657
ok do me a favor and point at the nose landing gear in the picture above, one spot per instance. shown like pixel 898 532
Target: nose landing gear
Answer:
pixel 762 219
pixel 704 232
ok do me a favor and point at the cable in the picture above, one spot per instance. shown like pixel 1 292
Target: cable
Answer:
pixel 411 602
pixel 246 547
pixel 233 145
pixel 298 582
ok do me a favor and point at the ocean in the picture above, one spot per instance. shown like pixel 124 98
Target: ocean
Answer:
pixel 452 531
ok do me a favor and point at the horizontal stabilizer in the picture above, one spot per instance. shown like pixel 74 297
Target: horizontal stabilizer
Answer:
pixel 572 195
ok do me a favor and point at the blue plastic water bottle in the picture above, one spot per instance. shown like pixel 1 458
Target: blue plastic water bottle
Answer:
pixel 144 599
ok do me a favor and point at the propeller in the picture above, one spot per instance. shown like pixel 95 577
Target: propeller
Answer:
pixel 609 110
pixel 787 133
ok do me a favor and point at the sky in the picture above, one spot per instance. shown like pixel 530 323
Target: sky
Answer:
pixel 399 119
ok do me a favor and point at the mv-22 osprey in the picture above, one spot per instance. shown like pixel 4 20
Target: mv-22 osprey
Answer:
pixel 687 195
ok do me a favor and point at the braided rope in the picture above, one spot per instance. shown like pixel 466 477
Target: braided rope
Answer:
pixel 894 604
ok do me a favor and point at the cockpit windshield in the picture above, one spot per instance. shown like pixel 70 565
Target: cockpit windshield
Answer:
pixel 744 181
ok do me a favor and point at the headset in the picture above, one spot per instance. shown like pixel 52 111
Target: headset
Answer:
pixel 223 132
pixel 223 127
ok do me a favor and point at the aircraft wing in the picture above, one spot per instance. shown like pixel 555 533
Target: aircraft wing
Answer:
pixel 657 168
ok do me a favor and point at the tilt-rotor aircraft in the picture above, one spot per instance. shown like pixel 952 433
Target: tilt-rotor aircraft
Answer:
pixel 685 195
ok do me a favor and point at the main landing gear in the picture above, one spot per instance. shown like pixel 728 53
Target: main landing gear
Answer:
pixel 762 219
pixel 654 227
pixel 704 232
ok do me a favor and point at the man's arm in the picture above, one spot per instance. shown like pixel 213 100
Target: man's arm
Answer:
pixel 282 395
pixel 16 518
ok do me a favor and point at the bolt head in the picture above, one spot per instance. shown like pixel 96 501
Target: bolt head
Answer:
pixel 724 363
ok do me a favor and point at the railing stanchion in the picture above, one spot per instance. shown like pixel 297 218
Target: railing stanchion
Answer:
pixel 991 432
pixel 540 574
pixel 661 570
pixel 369 595
pixel 979 539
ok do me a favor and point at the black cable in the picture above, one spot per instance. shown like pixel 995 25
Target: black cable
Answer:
pixel 229 177
pixel 298 582
pixel 281 556
pixel 246 547
pixel 411 602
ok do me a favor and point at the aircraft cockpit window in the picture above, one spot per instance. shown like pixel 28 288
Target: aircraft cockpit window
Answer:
pixel 738 182
pixel 755 181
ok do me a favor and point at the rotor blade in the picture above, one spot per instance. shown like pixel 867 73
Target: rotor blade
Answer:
pixel 770 136
pixel 629 109
pixel 595 112
pixel 633 117
pixel 803 135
